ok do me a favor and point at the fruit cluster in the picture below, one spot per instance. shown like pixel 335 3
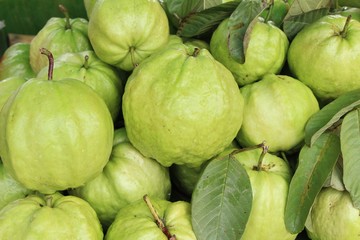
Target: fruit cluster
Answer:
pixel 183 120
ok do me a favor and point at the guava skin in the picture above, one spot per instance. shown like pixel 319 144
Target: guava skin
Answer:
pixel 333 217
pixel 270 189
pixel 55 37
pixel 55 135
pixel 123 32
pixel 126 178
pixel 10 189
pixel 266 52
pixel 323 59
pixel 100 76
pixel 39 217
pixel 15 62
pixel 135 221
pixel 186 110
pixel 8 86
pixel 276 110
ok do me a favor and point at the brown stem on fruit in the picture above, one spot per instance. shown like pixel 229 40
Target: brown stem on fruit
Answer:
pixel 196 51
pixel 158 221
pixel 132 53
pixel 86 62
pixel 344 30
pixel 64 10
pixel 261 158
pixel 51 62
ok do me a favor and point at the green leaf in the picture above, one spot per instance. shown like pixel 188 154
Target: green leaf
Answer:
pixel 203 21
pixel 330 114
pixel 239 21
pixel 294 24
pixel 335 180
pixel 350 147
pixel 182 8
pixel 315 165
pixel 221 201
pixel 302 6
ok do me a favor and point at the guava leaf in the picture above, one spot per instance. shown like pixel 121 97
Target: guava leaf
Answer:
pixel 330 114
pixel 350 147
pixel 221 201
pixel 335 180
pixel 294 24
pixel 314 166
pixel 246 12
pixel 201 22
pixel 182 8
pixel 302 6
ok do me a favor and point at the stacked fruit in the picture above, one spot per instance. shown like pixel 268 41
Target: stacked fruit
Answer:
pixel 183 120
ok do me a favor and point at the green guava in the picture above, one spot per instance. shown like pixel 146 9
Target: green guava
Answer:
pixel 185 110
pixel 49 217
pixel 127 177
pixel 333 217
pixel 123 32
pixel 8 86
pixel 55 135
pixel 15 62
pixel 276 110
pixel 136 221
pixel 269 177
pixel 59 36
pixel 266 50
pixel 10 189
pixel 324 56
pixel 88 68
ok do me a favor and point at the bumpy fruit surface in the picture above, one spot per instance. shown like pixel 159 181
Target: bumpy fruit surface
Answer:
pixel 324 55
pixel 333 217
pixel 276 110
pixel 265 53
pixel 185 110
pixel 55 134
pixel 123 32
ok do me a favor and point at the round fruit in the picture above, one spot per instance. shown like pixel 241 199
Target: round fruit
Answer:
pixel 136 221
pixel 127 177
pixel 265 52
pixel 49 217
pixel 276 110
pixel 269 177
pixel 55 134
pixel 88 68
pixel 333 216
pixel 324 56
pixel 8 86
pixel 123 32
pixel 185 110
pixel 59 36
pixel 16 62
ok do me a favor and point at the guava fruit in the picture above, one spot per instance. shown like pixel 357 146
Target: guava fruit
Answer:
pixel 8 86
pixel 15 62
pixel 276 110
pixel 185 110
pixel 10 189
pixel 269 177
pixel 333 217
pixel 55 135
pixel 49 217
pixel 59 36
pixel 266 50
pixel 88 68
pixel 123 32
pixel 127 177
pixel 137 221
pixel 324 56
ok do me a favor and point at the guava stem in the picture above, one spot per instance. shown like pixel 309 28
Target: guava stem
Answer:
pixel 86 62
pixel 64 10
pixel 344 30
pixel 158 221
pixel 51 62
pixel 268 15
pixel 261 158
pixel 196 51
pixel 248 148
